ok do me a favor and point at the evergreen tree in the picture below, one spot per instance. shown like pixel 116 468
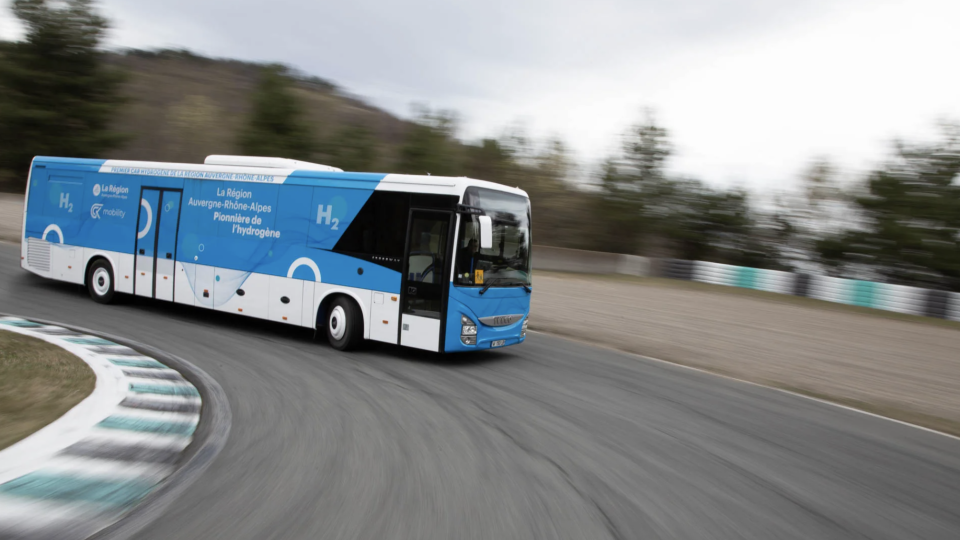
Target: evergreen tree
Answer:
pixel 635 190
pixel 911 220
pixel 488 161
pixel 352 148
pixel 643 210
pixel 430 146
pixel 276 127
pixel 56 95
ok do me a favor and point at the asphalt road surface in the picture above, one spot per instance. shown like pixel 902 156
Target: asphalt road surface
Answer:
pixel 551 439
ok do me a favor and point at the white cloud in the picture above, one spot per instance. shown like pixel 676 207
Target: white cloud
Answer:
pixel 750 90
pixel 10 29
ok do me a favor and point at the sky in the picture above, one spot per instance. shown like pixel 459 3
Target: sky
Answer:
pixel 750 90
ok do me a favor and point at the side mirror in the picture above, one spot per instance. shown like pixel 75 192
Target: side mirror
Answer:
pixel 486 232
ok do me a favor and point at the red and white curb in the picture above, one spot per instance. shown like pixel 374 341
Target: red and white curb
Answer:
pixel 88 468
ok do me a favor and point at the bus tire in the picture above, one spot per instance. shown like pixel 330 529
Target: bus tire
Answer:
pixel 100 283
pixel 344 324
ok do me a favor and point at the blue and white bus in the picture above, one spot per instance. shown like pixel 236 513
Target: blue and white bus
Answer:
pixel 435 263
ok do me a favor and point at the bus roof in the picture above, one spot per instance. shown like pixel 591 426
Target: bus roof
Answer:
pixel 442 185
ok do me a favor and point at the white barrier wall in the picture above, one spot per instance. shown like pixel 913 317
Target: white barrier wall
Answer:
pixel 954 311
pixel 829 288
pixel 715 273
pixel 775 281
pixel 898 298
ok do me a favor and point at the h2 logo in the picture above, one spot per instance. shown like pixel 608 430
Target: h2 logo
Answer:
pixel 325 217
pixel 65 202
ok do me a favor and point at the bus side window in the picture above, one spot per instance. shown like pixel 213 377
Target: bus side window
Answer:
pixel 64 197
pixel 62 206
pixel 377 232
pixel 38 192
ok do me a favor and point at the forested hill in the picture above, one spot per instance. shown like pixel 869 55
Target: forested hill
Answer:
pixel 183 107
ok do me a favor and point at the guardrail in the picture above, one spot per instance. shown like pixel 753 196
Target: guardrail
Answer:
pixel 885 296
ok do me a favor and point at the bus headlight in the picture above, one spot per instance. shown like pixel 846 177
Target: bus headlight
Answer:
pixel 468 331
pixel 523 331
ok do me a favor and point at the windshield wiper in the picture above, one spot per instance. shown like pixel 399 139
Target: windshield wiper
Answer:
pixel 490 283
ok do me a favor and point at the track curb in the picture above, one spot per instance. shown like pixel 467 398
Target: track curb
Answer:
pixel 209 437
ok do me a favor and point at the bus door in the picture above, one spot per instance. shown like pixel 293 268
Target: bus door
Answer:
pixel 425 281
pixel 156 247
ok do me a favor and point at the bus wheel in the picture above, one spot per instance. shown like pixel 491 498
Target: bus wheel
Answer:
pixel 100 282
pixel 344 324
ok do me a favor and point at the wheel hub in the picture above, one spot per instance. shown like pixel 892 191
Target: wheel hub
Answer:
pixel 338 323
pixel 101 281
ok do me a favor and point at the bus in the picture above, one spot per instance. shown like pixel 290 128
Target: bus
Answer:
pixel 435 263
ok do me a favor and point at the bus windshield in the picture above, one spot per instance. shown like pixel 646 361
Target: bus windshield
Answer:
pixel 508 261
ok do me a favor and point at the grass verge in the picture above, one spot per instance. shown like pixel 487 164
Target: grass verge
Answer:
pixel 39 382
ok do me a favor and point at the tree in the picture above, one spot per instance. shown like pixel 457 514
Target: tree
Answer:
pixel 430 146
pixel 640 209
pixel 352 148
pixel 911 219
pixel 57 97
pixel 489 160
pixel 276 126
pixel 634 189
pixel 804 217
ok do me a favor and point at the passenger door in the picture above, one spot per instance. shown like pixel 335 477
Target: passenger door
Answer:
pixel 425 281
pixel 167 243
pixel 156 244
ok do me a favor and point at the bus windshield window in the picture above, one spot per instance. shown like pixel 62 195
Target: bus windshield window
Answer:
pixel 508 261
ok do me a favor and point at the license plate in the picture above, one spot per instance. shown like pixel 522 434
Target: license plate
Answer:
pixel 498 343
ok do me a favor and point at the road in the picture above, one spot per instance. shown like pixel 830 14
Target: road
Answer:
pixel 552 439
pixel 905 366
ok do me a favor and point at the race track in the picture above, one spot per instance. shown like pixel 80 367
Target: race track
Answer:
pixel 551 439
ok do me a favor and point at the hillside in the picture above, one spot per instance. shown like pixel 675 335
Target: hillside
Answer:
pixel 184 107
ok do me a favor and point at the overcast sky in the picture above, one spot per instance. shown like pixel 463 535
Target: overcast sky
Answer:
pixel 751 90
